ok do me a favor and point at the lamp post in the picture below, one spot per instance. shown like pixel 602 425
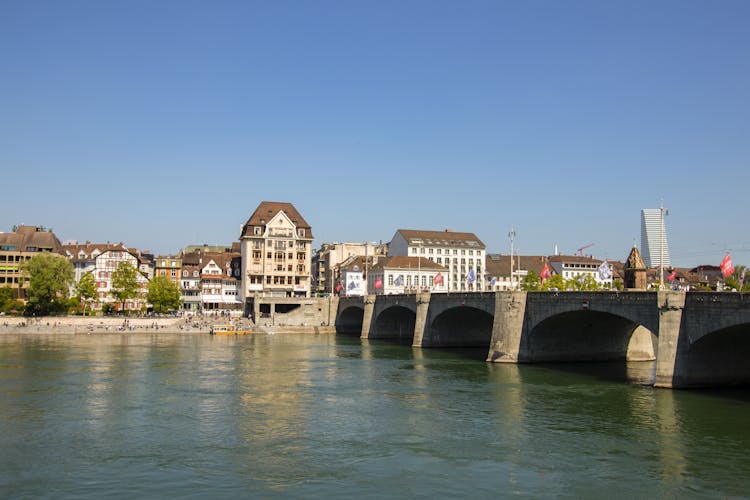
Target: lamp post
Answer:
pixel 662 212
pixel 512 236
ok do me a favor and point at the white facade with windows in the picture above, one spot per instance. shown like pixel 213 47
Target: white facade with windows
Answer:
pixel 461 254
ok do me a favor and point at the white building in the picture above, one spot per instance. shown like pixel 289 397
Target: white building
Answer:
pixel 654 247
pixel 102 260
pixel 576 267
pixel 461 254
pixel 399 274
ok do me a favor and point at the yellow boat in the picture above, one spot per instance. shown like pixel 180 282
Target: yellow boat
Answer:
pixel 229 330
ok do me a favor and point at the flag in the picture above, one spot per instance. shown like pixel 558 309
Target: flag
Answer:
pixel 438 279
pixel 605 272
pixel 471 277
pixel 352 285
pixel 493 281
pixel 399 280
pixel 545 274
pixel 672 276
pixel 726 266
pixel 379 283
pixel 339 286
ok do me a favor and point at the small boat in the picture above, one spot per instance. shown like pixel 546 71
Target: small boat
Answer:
pixel 229 330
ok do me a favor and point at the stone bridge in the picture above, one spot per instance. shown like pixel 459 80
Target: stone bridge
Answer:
pixel 697 338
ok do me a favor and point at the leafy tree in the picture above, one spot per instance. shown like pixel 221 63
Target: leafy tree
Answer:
pixel 50 276
pixel 86 290
pixel 555 282
pixel 8 302
pixel 125 283
pixel 530 282
pixel 732 282
pixel 584 282
pixel 6 295
pixel 163 294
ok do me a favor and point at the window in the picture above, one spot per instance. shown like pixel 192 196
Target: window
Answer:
pixel 471 252
pixel 439 251
pixel 424 280
pixel 301 233
pixel 195 274
pixel 256 231
pixel 413 250
pixel 439 260
pixel 390 280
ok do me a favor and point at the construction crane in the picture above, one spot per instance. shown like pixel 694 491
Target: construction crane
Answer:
pixel 584 247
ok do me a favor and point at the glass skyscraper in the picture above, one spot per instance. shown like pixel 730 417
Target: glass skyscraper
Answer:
pixel 654 237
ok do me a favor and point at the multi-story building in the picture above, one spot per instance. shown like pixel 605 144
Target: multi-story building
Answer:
pixel 19 246
pixel 326 259
pixel 190 287
pixel 462 254
pixel 168 267
pixel 210 281
pixel 400 274
pixel 102 260
pixel 276 248
pixel 654 237
pixel 577 266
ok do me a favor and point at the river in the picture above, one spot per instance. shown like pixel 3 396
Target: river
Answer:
pixel 308 416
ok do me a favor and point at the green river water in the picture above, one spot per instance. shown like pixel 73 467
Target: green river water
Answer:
pixel 312 416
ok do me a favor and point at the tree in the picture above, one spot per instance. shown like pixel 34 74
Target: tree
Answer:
pixel 86 290
pixel 50 276
pixel 555 282
pixel 163 294
pixel 732 282
pixel 125 283
pixel 530 282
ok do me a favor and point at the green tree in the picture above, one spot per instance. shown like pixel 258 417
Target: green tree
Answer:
pixel 125 283
pixel 8 302
pixel 6 295
pixel 86 290
pixel 50 276
pixel 163 294
pixel 732 282
pixel 555 282
pixel 585 282
pixel 531 282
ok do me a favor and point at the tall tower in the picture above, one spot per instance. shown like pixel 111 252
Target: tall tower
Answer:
pixel 654 237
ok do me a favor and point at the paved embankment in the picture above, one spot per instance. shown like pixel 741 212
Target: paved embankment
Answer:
pixel 77 324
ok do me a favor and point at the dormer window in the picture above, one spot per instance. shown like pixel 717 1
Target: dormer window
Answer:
pixel 301 233
pixel 256 231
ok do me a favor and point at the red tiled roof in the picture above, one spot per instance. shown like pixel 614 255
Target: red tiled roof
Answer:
pixel 268 209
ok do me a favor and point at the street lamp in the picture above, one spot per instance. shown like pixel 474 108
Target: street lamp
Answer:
pixel 662 212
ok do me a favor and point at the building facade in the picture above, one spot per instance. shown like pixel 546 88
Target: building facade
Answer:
pixel 397 274
pixel 102 260
pixel 655 250
pixel 578 267
pixel 327 259
pixel 276 250
pixel 19 246
pixel 463 255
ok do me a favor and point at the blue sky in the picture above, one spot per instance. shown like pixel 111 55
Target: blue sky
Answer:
pixel 165 123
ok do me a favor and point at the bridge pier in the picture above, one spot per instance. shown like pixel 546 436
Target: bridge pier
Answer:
pixel 672 347
pixel 507 328
pixel 421 324
pixel 369 303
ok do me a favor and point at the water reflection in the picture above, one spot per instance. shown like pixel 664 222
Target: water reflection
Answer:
pixel 303 415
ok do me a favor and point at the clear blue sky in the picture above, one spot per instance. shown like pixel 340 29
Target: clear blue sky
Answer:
pixel 165 123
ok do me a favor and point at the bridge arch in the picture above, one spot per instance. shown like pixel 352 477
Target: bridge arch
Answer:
pixel 349 320
pixel 463 326
pixel 394 322
pixel 584 335
pixel 718 357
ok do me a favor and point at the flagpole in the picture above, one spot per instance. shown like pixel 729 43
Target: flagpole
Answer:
pixel 511 235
